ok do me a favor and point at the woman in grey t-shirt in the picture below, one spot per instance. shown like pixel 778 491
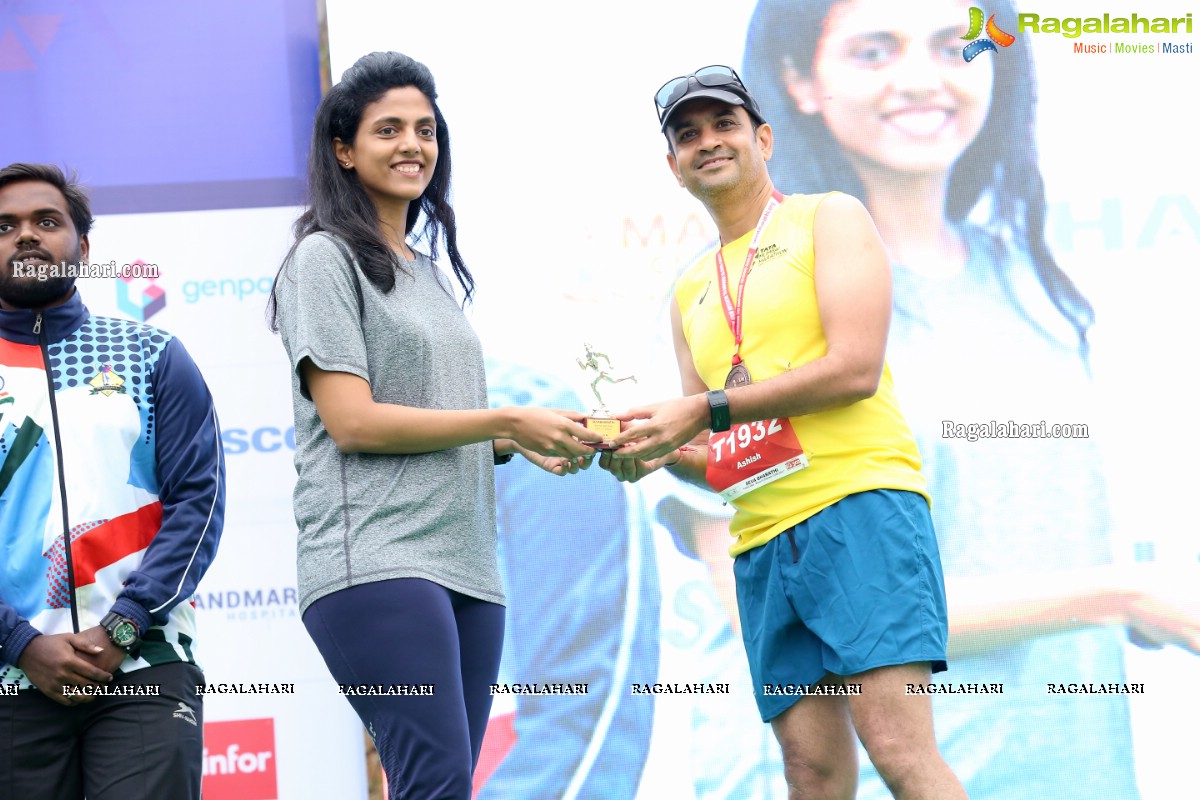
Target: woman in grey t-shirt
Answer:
pixel 395 444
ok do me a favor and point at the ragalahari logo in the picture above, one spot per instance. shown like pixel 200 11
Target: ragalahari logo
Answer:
pixel 996 36
pixel 140 298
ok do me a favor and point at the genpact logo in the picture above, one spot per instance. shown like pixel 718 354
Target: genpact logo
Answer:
pixel 140 298
pixel 996 36
pixel 242 288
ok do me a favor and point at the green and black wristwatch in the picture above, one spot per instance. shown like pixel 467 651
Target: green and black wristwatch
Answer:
pixel 123 633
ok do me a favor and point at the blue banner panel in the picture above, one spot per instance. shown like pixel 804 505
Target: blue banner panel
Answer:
pixel 164 106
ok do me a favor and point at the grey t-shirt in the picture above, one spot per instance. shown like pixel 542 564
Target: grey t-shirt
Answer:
pixel 366 517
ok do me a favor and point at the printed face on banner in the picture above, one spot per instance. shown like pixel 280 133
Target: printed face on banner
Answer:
pixel 892 85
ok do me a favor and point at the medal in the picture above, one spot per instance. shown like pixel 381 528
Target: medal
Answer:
pixel 739 375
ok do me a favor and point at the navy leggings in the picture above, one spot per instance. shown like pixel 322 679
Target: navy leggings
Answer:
pixel 409 631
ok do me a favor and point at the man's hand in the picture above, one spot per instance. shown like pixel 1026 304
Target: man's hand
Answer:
pixel 52 661
pixel 109 657
pixel 660 429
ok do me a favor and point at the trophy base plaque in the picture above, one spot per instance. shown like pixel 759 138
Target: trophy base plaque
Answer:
pixel 605 426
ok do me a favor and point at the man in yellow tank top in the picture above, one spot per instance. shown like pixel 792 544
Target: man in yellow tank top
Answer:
pixel 789 413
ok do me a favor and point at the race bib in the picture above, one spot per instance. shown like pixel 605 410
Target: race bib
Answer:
pixel 751 455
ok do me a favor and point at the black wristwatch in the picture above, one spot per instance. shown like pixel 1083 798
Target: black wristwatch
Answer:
pixel 123 633
pixel 718 411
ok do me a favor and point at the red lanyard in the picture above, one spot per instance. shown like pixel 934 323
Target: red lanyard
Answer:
pixel 733 315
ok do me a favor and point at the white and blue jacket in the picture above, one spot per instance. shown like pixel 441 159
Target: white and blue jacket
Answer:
pixel 108 432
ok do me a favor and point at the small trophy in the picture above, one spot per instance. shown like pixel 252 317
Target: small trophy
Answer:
pixel 600 420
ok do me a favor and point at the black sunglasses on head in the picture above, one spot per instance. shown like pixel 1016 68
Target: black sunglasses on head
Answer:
pixel 712 76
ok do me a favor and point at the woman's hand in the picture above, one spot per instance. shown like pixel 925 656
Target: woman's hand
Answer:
pixel 552 433
pixel 552 464
pixel 558 466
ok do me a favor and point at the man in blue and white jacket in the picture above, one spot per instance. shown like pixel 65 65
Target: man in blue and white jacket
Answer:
pixel 112 498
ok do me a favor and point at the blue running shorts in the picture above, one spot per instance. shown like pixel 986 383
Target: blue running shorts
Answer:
pixel 854 587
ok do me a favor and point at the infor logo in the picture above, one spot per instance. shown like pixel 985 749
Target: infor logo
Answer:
pixel 995 35
pixel 238 760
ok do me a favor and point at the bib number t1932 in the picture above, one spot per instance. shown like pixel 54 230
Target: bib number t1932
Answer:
pixel 751 455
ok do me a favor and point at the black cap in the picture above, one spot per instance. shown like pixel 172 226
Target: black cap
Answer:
pixel 735 93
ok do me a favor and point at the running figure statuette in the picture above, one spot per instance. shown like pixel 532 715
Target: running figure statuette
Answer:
pixel 599 421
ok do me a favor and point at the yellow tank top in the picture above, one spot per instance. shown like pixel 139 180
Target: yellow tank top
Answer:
pixel 866 445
